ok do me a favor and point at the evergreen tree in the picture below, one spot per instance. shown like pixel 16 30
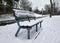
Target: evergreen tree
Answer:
pixel 0 1
pixel 36 10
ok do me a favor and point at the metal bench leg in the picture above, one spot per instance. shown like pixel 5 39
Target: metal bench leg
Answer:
pixel 36 27
pixel 18 28
pixel 40 24
pixel 28 33
pixel 17 32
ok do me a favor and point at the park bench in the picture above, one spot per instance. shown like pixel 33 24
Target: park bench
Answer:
pixel 27 23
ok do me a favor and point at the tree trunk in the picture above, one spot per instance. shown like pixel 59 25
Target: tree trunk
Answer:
pixel 51 8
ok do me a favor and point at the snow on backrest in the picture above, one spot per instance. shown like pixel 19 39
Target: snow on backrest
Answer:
pixel 22 13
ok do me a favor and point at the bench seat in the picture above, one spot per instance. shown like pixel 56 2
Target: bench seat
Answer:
pixel 31 23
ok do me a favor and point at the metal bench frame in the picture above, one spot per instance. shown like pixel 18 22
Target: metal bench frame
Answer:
pixel 27 27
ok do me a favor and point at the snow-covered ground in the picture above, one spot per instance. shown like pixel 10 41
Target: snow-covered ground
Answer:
pixel 5 17
pixel 49 33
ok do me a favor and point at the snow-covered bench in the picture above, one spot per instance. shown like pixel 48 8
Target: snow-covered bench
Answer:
pixel 26 24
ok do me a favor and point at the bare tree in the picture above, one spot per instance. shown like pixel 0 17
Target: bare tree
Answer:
pixel 51 11
pixel 25 5
pixel 51 7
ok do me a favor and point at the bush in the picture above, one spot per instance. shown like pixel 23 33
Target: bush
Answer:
pixel 5 10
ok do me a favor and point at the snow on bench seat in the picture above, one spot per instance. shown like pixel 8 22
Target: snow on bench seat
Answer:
pixel 31 23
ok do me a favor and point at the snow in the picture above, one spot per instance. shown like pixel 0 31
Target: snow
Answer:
pixel 22 13
pixel 5 17
pixel 49 33
pixel 32 22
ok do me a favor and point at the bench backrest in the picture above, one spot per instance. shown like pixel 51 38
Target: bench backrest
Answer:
pixel 23 15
